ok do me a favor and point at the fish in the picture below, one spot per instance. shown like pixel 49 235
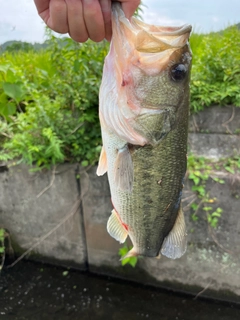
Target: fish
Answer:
pixel 143 112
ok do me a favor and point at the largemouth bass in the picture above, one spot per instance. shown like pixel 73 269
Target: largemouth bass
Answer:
pixel 144 107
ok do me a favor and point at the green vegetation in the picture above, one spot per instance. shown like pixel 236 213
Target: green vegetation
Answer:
pixel 13 46
pixel 131 260
pixel 200 170
pixel 19 46
pixel 49 103
pixel 216 69
pixel 49 98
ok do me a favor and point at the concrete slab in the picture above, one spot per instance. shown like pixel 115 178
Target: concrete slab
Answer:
pixel 97 209
pixel 216 119
pixel 30 215
pixel 214 146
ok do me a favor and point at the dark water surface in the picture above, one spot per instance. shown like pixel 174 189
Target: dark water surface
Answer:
pixel 36 291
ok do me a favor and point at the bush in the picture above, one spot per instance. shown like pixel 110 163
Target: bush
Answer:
pixel 49 98
pixel 50 102
pixel 216 69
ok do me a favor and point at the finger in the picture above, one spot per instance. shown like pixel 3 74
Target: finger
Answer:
pixel 42 5
pixel 106 12
pixel 93 20
pixel 58 16
pixel 129 7
pixel 76 24
pixel 43 9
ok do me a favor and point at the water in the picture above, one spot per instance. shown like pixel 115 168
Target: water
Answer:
pixel 31 291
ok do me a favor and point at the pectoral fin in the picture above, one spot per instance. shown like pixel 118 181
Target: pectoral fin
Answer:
pixel 123 171
pixel 115 228
pixel 175 244
pixel 102 164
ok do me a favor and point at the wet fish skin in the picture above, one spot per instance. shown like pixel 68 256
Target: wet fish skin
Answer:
pixel 144 106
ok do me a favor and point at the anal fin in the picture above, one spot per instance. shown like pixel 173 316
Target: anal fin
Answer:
pixel 123 170
pixel 115 228
pixel 102 164
pixel 175 244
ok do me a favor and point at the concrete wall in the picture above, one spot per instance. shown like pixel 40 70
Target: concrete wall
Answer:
pixel 81 208
pixel 31 215
pixel 215 133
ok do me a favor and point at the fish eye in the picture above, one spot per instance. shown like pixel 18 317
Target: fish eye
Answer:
pixel 178 72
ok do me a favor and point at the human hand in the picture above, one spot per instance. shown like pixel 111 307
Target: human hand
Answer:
pixel 82 19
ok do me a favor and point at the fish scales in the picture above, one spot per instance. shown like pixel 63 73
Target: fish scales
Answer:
pixel 149 197
pixel 144 106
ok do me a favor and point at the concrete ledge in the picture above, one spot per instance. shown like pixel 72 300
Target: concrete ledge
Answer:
pixel 29 217
pixel 214 146
pixel 216 119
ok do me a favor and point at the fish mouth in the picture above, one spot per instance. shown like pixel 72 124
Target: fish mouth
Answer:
pixel 149 38
pixel 161 30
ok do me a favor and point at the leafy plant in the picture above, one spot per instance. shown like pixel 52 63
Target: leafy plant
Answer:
pixel 51 103
pixel 213 217
pixel 199 170
pixel 221 181
pixel 216 71
pixel 232 165
pixel 131 260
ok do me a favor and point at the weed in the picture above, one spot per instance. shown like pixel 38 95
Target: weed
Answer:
pixel 199 170
pixel 131 260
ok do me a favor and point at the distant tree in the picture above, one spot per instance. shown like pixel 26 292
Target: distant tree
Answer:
pixel 20 46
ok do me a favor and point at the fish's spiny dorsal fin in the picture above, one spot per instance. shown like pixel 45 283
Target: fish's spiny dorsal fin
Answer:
pixel 175 244
pixel 115 227
pixel 102 163
pixel 123 170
